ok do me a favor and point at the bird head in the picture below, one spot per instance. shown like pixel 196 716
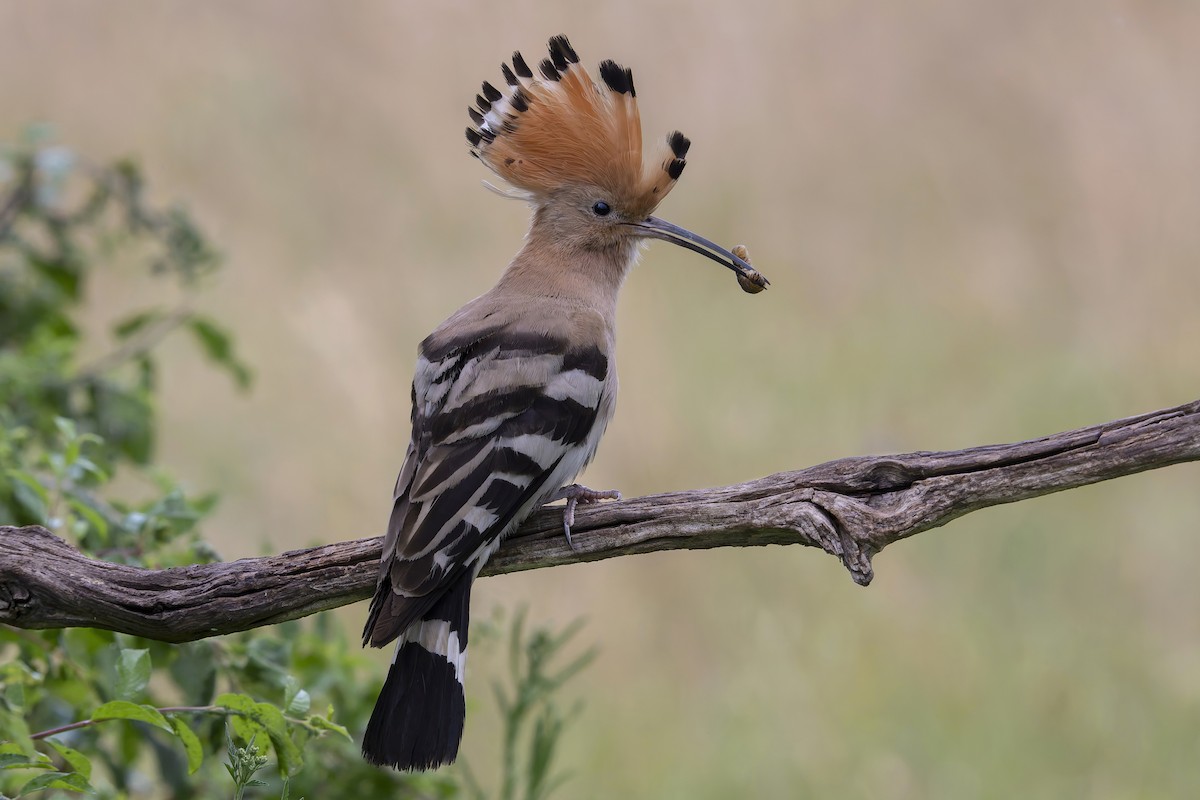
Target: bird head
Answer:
pixel 572 147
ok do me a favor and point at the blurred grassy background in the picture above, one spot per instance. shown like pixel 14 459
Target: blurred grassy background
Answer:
pixel 980 220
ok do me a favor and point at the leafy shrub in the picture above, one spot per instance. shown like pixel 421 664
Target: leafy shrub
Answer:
pixel 84 710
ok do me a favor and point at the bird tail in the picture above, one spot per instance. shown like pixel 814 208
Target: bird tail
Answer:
pixel 418 719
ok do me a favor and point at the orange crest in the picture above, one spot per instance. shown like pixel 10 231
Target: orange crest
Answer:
pixel 562 128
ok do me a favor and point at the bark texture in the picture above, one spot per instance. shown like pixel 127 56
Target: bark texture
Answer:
pixel 851 508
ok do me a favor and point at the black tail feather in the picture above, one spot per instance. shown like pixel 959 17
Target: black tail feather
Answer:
pixel 418 719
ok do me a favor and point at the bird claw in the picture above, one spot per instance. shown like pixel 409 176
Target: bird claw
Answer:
pixel 574 495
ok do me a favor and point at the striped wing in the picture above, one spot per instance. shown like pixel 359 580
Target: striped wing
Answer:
pixel 500 420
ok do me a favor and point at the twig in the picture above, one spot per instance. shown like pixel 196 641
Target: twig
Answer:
pixel 84 723
pixel 851 508
pixel 16 199
pixel 224 711
pixel 140 343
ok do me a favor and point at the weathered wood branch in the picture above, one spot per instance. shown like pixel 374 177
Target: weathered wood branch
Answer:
pixel 851 508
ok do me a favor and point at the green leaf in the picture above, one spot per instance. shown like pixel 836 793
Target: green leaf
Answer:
pixel 235 702
pixel 546 732
pixel 78 761
pixel 272 719
pixel 195 672
pixel 91 516
pixel 215 340
pixel 133 673
pixel 147 373
pixel 71 781
pixel 300 704
pixel 121 709
pixel 253 717
pixel 218 346
pixel 14 696
pixel 325 724
pixel 572 669
pixel 289 755
pixel 18 760
pixel 29 492
pixel 243 722
pixel 73 450
pixel 191 744
pixel 17 731
pixel 296 701
pixel 66 428
pixel 269 657
pixel 135 322
pixel 84 645
pixel 123 417
pixel 85 466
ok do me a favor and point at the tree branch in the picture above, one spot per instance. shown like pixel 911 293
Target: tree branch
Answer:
pixel 851 508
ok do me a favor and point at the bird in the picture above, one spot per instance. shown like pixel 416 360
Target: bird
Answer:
pixel 512 393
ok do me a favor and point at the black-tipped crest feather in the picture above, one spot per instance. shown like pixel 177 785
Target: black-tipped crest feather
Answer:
pixel 679 144
pixel 558 57
pixel 519 100
pixel 616 77
pixel 562 45
pixel 520 66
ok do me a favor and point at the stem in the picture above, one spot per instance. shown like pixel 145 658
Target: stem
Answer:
pixel 164 710
pixel 18 199
pixel 141 343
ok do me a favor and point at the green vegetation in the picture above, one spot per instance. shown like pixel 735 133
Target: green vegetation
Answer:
pixel 111 715
pixel 979 220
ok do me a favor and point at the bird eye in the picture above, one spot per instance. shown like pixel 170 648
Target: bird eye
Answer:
pixel 601 208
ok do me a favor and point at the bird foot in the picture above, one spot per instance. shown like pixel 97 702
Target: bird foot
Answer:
pixel 574 495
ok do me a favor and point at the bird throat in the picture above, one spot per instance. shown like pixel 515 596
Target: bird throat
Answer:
pixel 589 276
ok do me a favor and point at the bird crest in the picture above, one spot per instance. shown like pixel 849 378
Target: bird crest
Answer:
pixel 559 127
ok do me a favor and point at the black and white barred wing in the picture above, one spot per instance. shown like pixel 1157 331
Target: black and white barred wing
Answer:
pixel 498 423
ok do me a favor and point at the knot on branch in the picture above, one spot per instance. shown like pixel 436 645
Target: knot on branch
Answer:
pixel 821 519
pixel 26 557
pixel 13 596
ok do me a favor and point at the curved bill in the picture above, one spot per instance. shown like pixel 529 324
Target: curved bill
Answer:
pixel 656 228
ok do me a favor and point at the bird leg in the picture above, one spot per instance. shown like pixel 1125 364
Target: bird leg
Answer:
pixel 574 495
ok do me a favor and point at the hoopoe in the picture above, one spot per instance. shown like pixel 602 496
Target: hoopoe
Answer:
pixel 513 392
